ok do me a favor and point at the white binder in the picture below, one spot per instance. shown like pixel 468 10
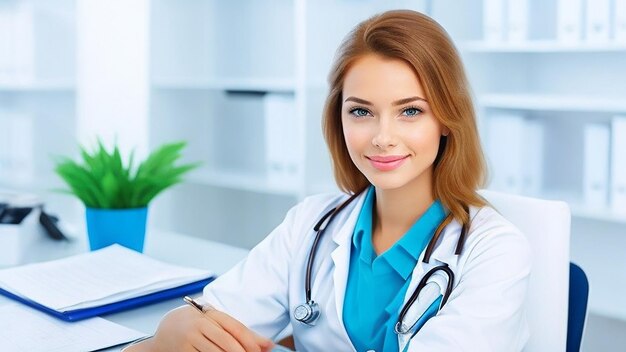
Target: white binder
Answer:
pixel 493 20
pixel 618 164
pixel 505 151
pixel 517 26
pixel 281 131
pixel 619 23
pixel 569 20
pixel 24 45
pixel 533 149
pixel 7 40
pixel 17 163
pixel 596 165
pixel 598 21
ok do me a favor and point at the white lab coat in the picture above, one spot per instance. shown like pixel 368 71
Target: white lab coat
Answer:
pixel 485 311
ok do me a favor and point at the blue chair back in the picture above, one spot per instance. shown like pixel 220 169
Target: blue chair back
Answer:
pixel 578 296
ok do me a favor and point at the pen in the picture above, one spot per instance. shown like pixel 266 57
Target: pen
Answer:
pixel 199 307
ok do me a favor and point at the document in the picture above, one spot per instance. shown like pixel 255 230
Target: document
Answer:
pixel 93 279
pixel 26 329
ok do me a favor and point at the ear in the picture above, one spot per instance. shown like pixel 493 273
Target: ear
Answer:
pixel 445 132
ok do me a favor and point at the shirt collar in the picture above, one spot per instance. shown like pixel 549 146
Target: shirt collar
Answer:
pixel 403 255
pixel 362 238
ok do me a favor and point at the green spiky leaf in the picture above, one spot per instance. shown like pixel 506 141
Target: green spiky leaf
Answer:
pixel 102 180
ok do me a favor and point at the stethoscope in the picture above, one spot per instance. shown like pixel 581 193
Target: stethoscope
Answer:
pixel 309 312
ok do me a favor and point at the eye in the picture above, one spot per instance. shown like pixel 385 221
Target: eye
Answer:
pixel 412 111
pixel 359 112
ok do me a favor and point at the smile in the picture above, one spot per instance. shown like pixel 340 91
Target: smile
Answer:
pixel 387 163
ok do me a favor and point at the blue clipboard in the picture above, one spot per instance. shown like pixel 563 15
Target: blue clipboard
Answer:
pixel 84 313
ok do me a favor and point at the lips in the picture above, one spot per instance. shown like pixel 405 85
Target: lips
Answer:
pixel 387 162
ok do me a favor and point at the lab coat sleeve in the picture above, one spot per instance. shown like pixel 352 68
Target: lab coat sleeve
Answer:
pixel 486 311
pixel 255 290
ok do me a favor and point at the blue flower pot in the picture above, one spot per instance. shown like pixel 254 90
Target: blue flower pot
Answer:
pixel 124 226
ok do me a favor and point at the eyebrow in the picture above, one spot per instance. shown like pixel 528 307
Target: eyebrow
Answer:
pixel 395 103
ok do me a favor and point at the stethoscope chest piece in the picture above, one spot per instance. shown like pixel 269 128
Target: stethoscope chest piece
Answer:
pixel 307 313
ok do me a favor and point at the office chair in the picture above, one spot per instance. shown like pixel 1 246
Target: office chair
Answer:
pixel 578 297
pixel 547 227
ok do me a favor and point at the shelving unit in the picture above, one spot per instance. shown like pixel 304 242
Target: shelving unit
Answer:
pixel 38 97
pixel 552 102
pixel 241 181
pixel 39 86
pixel 561 87
pixel 243 84
pixel 231 58
pixel 541 46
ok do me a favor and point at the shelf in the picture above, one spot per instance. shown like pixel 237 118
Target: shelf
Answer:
pixel 241 181
pixel 542 46
pixel 37 86
pixel 49 184
pixel 234 84
pixel 546 102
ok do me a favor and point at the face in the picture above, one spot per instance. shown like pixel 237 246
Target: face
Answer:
pixel 390 131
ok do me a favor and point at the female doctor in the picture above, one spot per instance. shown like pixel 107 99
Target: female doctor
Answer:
pixel 410 258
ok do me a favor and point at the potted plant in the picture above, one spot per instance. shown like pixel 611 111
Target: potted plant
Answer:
pixel 116 197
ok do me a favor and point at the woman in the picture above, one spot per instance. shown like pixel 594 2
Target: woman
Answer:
pixel 401 130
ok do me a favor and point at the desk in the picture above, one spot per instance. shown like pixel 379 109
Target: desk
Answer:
pixel 169 247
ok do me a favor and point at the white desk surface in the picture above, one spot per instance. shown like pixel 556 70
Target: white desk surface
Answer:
pixel 169 247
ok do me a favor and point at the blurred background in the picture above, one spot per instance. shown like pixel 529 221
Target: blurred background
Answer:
pixel 244 82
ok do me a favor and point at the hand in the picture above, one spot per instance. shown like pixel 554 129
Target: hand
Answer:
pixel 185 329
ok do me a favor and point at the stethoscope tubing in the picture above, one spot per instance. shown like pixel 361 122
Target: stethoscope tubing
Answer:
pixel 324 222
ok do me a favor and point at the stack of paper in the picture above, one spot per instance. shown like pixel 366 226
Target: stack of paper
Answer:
pixel 25 329
pixel 111 279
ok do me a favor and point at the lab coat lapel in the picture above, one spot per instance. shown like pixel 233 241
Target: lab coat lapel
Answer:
pixel 443 253
pixel 342 230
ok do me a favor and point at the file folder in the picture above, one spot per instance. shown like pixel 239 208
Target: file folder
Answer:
pixel 135 302
pixel 100 282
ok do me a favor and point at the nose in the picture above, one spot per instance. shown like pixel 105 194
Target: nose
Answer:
pixel 384 137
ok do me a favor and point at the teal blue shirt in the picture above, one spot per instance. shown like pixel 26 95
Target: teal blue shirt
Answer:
pixel 377 284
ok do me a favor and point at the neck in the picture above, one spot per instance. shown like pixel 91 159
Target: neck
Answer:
pixel 398 209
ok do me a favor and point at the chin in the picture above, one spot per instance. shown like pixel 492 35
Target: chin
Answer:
pixel 387 182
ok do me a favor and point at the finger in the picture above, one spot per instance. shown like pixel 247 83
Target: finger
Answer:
pixel 246 337
pixel 215 334
pixel 202 344
pixel 268 346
